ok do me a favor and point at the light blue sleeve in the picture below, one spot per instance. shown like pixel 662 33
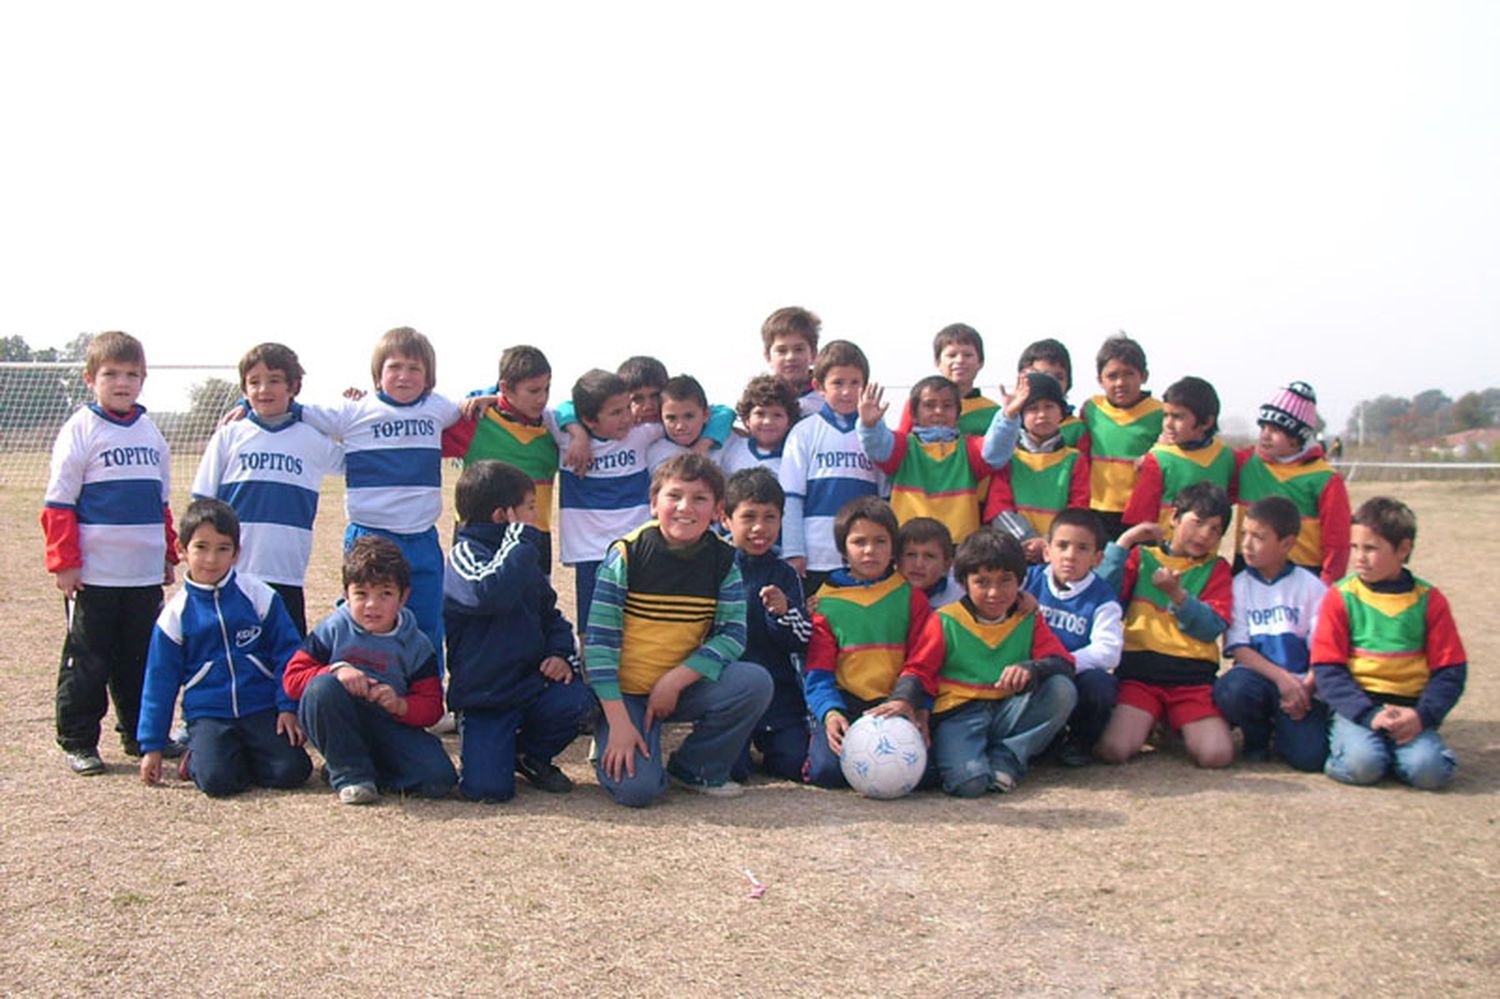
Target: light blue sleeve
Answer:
pixel 878 441
pixel 1000 440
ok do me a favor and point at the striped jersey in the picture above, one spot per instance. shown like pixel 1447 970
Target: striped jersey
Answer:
pixel 823 466
pixel 1117 437
pixel 1275 617
pixel 611 500
pixel 1321 498
pixel 1166 470
pixel 975 652
pixel 1039 485
pixel 501 435
pixel 1390 642
pixel 939 480
pixel 742 452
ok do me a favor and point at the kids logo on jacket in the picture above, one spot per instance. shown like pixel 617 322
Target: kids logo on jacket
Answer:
pixel 246 636
pixel 1060 620
pixel 270 461
pixel 613 460
pixel 831 460
pixel 416 426
pixel 139 454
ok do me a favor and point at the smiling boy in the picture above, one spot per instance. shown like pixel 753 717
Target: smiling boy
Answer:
pixel 1188 451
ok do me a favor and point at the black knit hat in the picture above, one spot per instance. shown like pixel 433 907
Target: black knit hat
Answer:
pixel 1043 388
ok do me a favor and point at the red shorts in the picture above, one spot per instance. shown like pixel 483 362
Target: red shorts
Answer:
pixel 1181 705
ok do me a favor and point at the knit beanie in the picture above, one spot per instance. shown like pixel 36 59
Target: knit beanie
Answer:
pixel 1294 408
pixel 1044 388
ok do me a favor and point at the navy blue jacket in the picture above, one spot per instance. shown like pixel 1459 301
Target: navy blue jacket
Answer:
pixel 501 618
pixel 772 641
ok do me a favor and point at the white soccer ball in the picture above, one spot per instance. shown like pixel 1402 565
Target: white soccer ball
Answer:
pixel 883 756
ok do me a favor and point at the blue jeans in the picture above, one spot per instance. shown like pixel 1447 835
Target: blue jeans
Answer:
pixel 722 711
pixel 825 768
pixel 425 558
pixel 1359 755
pixel 231 754
pixel 781 737
pixel 975 740
pixel 538 731
pixel 1097 690
pixel 1252 704
pixel 363 744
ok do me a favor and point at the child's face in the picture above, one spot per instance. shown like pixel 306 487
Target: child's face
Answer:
pixel 1180 426
pixel 936 408
pixel 790 358
pixel 209 555
pixel 1374 558
pixel 1195 537
pixel 683 420
pixel 993 592
pixel 268 391
pixel 1052 368
pixel 960 364
pixel 1276 443
pixel 923 563
pixel 645 404
pixel 1072 552
pixel 529 395
pixel 685 508
pixel 403 378
pixel 376 606
pixel 116 384
pixel 614 420
pixel 1041 419
pixel 1264 550
pixel 867 549
pixel 768 426
pixel 1122 383
pixel 841 387
pixel 523 512
pixel 754 527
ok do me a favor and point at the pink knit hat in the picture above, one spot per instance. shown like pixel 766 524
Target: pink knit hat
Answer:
pixel 1294 409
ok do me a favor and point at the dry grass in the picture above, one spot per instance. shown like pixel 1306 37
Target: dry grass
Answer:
pixel 1153 877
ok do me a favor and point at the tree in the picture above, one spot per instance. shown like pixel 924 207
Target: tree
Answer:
pixel 207 401
pixel 40 396
pixel 1469 412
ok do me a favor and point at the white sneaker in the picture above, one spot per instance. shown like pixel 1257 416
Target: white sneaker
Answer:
pixel 358 794
pixel 1003 782
pixel 727 789
pixel 445 725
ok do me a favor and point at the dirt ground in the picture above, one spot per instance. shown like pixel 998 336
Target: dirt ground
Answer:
pixel 1144 879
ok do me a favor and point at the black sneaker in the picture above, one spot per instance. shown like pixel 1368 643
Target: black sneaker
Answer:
pixel 1074 754
pixel 85 763
pixel 543 776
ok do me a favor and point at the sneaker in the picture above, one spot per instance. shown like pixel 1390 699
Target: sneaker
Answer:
pixel 1003 782
pixel 1256 754
pixel 724 789
pixel 85 763
pixel 173 751
pixel 543 775
pixel 358 794
pixel 445 725
pixel 1074 755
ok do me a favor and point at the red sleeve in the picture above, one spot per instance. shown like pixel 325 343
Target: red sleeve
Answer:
pixel 60 527
pixel 1044 641
pixel 1130 575
pixel 1085 440
pixel 1002 497
pixel 1330 639
pixel 458 437
pixel 822 649
pixel 1078 489
pixel 903 425
pixel 974 448
pixel 1144 506
pixel 173 555
pixel 1333 518
pixel 424 702
pixel 1444 647
pixel 300 670
pixel 925 648
pixel 898 453
pixel 1218 592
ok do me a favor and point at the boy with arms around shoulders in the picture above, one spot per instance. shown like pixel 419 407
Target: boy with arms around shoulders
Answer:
pixel 664 642
pixel 1388 658
pixel 223 640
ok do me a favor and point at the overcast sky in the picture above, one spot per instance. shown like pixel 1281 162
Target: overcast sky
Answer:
pixel 1257 193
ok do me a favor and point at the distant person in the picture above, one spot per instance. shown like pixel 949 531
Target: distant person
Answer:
pixel 1336 450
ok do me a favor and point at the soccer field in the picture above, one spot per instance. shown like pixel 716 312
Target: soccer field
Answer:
pixel 1148 878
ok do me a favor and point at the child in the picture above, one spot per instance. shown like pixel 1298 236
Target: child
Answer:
pixel 824 464
pixel 1084 613
pixel 366 680
pixel 1177 604
pixel 109 547
pixel 509 648
pixel 924 557
pixel 242 727
pixel 767 408
pixel 1287 462
pixel 777 625
pixel 269 467
pixel 790 338
pixel 1122 424
pixel 1003 689
pixel 1271 689
pixel 664 642
pixel 1187 453
pixel 1388 659
pixel 519 430
pixel 958 352
pixel 869 628
pixel 940 474
pixel 1039 474
pixel 1050 357
pixel 684 417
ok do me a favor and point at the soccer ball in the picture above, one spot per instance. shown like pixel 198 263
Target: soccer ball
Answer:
pixel 883 756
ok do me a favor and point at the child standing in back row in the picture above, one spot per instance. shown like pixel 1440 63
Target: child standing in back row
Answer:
pixel 1122 424
pixel 790 338
pixel 1188 452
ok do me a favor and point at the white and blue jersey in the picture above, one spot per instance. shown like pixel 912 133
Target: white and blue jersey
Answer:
pixel 1275 617
pixel 271 475
pixel 393 458
pixel 112 477
pixel 1086 617
pixel 612 500
pixel 742 453
pixel 823 466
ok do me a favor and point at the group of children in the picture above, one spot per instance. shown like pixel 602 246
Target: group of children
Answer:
pixel 1013 577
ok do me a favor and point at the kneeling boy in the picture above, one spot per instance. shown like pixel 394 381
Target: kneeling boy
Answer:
pixel 665 635
pixel 367 682
pixel 509 648
pixel 242 727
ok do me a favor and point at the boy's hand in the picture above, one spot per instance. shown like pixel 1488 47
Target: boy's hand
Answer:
pixel 287 725
pixel 1013 679
pixel 894 706
pixel 662 700
pixel 1142 533
pixel 385 696
pixel 1035 550
pixel 1170 583
pixel 773 600
pixel 354 394
pixel 151 767
pixel 235 413
pixel 352 680
pixel 67 581
pixel 1400 723
pixel 576 458
pixel 703 445
pixel 872 404
pixel 1011 404
pixel 557 669
pixel 624 742
pixel 834 727
pixel 475 405
pixel 1295 697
